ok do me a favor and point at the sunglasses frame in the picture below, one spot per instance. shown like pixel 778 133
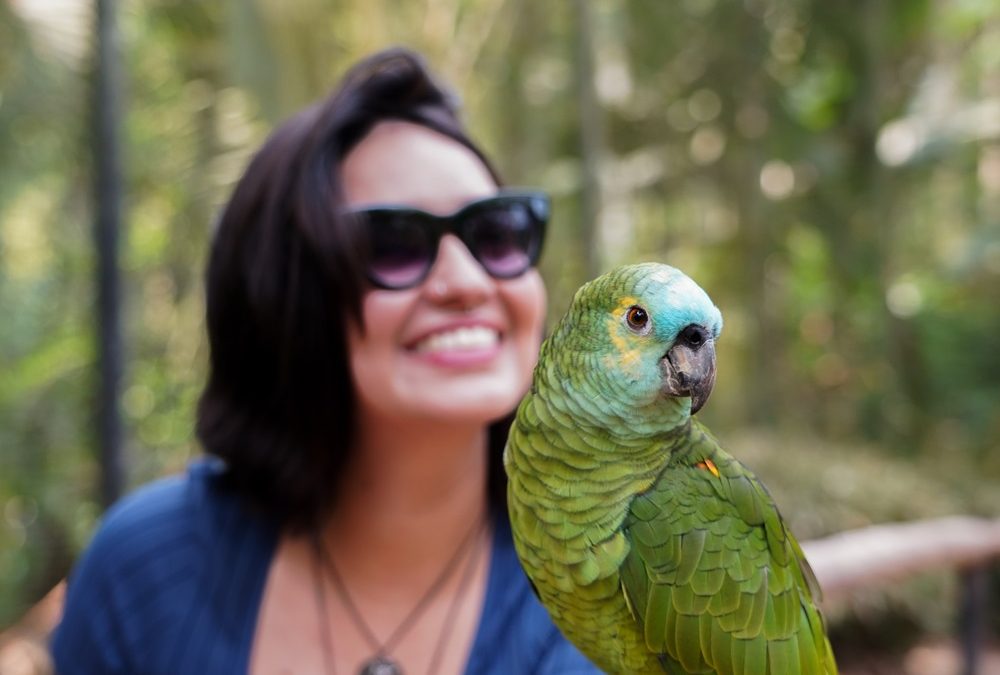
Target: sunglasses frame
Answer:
pixel 435 226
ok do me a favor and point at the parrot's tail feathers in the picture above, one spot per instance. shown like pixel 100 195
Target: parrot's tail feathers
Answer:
pixel 812 583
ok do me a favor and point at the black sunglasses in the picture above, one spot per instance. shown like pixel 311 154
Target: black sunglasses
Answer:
pixel 504 233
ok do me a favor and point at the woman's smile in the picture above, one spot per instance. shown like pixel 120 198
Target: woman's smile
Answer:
pixel 460 345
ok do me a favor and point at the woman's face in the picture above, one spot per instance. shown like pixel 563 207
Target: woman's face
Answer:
pixel 460 346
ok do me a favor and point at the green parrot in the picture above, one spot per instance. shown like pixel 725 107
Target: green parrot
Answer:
pixel 653 549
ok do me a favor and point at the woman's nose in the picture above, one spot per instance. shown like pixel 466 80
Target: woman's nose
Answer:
pixel 457 277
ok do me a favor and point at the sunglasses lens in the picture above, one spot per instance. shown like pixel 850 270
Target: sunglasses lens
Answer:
pixel 400 253
pixel 505 239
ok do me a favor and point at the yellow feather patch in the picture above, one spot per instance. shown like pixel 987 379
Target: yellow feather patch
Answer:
pixel 628 355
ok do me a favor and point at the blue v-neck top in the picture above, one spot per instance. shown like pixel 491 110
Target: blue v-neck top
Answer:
pixel 173 581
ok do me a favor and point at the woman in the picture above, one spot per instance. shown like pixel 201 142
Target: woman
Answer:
pixel 363 349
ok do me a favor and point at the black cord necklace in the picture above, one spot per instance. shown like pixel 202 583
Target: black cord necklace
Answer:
pixel 381 663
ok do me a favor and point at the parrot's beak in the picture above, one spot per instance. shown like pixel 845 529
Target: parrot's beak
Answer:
pixel 689 370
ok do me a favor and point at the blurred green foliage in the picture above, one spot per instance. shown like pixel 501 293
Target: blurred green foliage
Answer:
pixel 829 171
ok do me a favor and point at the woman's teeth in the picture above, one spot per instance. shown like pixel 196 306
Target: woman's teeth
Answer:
pixel 473 337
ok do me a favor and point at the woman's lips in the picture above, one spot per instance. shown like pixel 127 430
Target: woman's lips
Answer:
pixel 459 345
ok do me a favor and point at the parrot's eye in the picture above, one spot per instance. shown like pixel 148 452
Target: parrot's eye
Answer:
pixel 637 319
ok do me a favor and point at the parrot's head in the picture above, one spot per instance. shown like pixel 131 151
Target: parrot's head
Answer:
pixel 649 332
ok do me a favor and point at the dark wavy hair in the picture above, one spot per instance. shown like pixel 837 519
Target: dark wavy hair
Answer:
pixel 284 278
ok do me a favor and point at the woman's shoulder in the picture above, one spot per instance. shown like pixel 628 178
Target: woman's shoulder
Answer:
pixel 160 558
pixel 182 505
pixel 174 514
pixel 516 634
pixel 188 522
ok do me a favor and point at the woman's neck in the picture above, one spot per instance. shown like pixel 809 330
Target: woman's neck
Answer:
pixel 407 499
pixel 410 548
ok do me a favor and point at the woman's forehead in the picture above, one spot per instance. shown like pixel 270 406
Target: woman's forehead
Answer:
pixel 404 163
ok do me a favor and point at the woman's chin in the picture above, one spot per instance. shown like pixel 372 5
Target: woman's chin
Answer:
pixel 473 405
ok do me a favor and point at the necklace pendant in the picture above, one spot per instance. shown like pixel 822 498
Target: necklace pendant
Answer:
pixel 380 665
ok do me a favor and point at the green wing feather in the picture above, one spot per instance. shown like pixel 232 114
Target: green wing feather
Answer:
pixel 713 578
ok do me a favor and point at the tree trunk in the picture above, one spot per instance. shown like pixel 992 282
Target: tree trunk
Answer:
pixel 108 197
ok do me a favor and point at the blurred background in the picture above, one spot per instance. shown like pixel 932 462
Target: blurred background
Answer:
pixel 828 171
